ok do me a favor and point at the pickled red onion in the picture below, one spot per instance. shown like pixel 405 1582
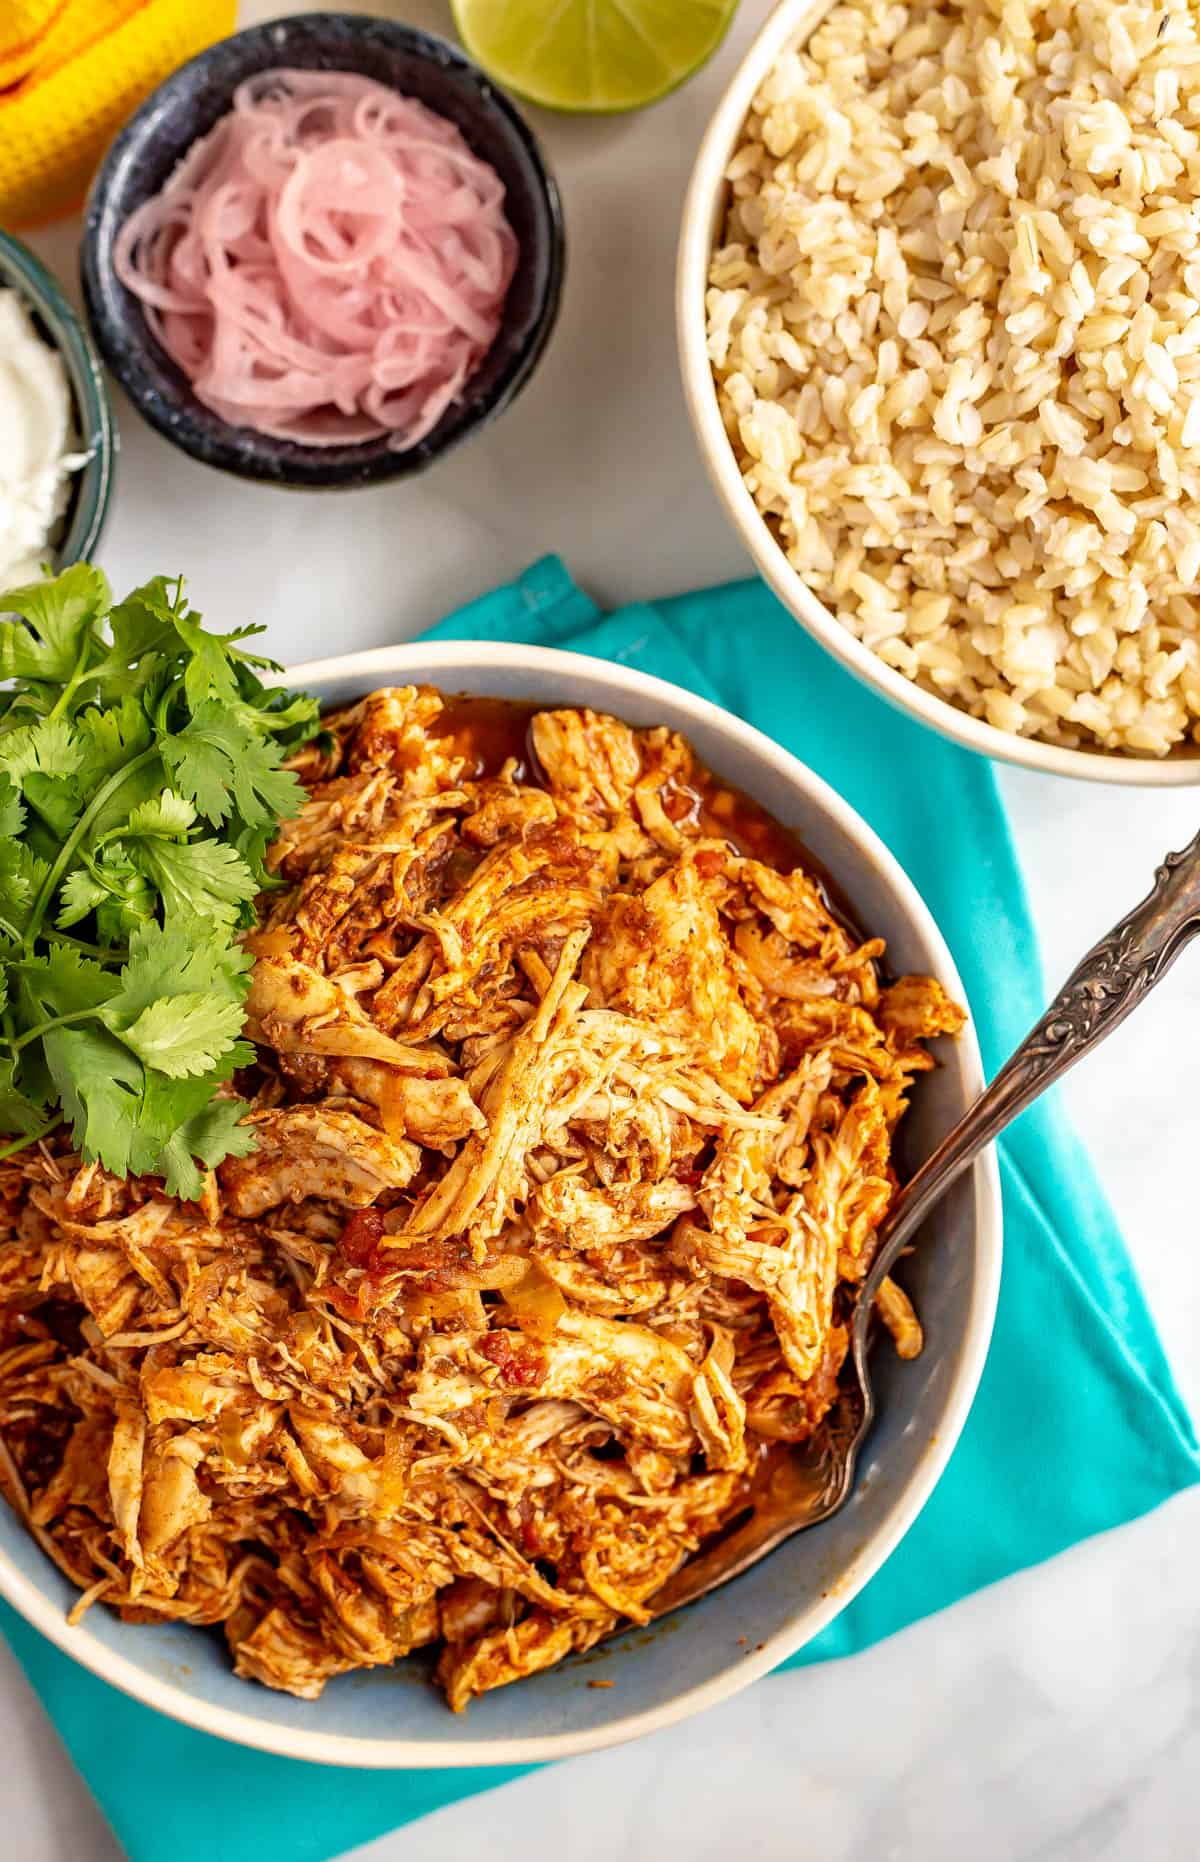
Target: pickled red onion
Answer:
pixel 328 265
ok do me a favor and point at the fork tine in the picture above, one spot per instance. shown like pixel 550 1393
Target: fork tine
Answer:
pixel 801 1487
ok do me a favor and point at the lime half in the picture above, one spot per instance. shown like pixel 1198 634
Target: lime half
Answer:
pixel 601 55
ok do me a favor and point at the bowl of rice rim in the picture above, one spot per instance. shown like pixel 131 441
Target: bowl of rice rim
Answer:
pixel 938 311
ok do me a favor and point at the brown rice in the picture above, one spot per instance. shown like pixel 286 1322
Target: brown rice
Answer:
pixel 955 328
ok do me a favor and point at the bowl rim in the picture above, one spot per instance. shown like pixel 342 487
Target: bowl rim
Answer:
pixel 311 468
pixel 440 660
pixel 790 20
pixel 87 509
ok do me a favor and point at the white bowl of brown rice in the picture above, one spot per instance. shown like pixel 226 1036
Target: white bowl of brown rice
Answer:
pixel 938 304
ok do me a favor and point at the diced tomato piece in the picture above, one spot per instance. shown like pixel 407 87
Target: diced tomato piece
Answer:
pixel 359 1240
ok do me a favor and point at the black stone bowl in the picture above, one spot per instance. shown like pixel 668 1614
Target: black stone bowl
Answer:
pixel 187 106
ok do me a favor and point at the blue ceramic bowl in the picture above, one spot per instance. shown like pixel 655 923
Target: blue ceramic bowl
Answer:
pixel 187 106
pixel 392 1716
pixel 91 489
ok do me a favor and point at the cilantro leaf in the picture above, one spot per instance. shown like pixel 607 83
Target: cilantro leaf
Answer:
pixel 200 879
pixel 12 812
pixel 169 1104
pixel 252 844
pixel 109 739
pixel 81 894
pixel 201 769
pixel 213 1133
pixel 184 1034
pixel 64 982
pixel 172 963
pixel 173 1124
pixel 139 782
pixel 142 638
pixel 293 718
pixel 42 761
pixel 55 799
pixel 166 814
pixel 123 912
pixel 121 896
pixel 180 1003
pixel 99 1085
pixel 50 746
pixel 157 614
pixel 217 758
pixel 20 1116
pixel 57 618
pixel 209 674
pixel 22 873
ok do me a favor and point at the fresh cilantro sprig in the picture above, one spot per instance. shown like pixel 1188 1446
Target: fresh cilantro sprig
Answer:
pixel 140 786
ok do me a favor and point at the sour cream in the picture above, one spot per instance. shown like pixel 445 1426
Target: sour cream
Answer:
pixel 38 443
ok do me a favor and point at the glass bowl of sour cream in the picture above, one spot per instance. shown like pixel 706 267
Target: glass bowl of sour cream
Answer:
pixel 60 438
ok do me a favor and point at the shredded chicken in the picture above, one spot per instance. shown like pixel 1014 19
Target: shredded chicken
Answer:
pixel 574 1103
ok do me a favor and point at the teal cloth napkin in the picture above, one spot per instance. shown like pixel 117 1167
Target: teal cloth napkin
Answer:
pixel 1100 1409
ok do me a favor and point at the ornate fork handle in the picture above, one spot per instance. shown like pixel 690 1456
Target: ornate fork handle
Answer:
pixel 1097 996
pixel 816 1479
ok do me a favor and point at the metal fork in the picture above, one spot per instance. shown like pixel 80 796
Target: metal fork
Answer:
pixel 815 1481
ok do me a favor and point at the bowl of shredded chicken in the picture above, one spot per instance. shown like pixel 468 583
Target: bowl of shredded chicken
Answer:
pixel 577 1097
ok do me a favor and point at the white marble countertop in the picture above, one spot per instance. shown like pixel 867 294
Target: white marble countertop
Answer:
pixel 1055 1716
